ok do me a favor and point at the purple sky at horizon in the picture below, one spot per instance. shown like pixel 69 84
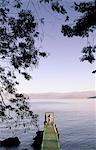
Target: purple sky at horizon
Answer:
pixel 62 71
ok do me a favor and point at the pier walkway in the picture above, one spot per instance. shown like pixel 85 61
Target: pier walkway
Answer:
pixel 50 136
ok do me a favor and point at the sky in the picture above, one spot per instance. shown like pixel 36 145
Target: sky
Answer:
pixel 62 70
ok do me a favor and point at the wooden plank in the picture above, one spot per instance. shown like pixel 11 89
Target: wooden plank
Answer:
pixel 50 134
pixel 50 138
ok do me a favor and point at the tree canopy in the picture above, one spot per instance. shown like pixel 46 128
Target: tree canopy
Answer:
pixel 18 51
pixel 83 27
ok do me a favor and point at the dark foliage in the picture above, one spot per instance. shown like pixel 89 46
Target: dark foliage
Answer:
pixel 89 54
pixel 94 71
pixel 18 53
pixel 83 26
pixel 55 5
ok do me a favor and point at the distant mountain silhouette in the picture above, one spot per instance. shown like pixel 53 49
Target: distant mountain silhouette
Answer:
pixel 83 94
pixel 92 97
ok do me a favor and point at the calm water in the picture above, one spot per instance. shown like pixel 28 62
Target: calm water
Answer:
pixel 75 120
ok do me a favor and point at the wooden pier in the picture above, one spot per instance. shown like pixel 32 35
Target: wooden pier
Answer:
pixel 51 139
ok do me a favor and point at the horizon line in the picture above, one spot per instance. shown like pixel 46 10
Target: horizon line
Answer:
pixel 54 92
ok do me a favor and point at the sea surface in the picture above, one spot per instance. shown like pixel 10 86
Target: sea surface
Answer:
pixel 74 118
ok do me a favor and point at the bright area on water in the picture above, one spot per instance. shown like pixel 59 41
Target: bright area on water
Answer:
pixel 75 120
